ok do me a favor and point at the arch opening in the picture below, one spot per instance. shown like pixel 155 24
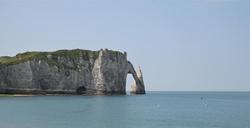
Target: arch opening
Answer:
pixel 129 80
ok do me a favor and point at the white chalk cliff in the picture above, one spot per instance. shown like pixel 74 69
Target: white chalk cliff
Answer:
pixel 68 72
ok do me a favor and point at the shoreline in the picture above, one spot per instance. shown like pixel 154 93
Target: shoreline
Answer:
pixel 15 95
pixel 31 95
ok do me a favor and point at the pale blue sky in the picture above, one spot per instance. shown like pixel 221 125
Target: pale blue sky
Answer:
pixel 181 45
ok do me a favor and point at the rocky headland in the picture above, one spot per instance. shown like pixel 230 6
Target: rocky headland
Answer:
pixel 68 72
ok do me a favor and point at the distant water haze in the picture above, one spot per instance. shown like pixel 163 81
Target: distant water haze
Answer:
pixel 189 45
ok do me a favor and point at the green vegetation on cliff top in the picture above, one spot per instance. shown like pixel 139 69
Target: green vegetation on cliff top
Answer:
pixel 47 56
pixel 51 57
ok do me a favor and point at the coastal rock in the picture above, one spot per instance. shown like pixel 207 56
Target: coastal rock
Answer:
pixel 138 86
pixel 68 72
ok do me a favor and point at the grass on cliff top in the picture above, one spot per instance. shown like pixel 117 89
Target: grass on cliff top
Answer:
pixel 51 57
pixel 23 57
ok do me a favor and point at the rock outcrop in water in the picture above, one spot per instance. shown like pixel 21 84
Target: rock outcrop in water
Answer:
pixel 68 72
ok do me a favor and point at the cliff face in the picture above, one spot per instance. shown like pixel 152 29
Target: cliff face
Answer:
pixel 68 72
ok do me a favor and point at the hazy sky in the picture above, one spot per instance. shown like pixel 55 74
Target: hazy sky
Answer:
pixel 179 44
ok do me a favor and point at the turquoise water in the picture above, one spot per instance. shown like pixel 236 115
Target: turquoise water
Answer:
pixel 153 110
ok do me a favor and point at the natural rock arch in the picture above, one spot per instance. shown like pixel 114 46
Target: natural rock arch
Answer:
pixel 138 86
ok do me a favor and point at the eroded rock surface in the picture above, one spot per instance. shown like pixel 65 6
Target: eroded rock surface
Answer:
pixel 68 72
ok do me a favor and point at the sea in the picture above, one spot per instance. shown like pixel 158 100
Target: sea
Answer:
pixel 153 110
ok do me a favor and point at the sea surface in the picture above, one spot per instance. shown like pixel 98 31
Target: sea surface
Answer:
pixel 153 110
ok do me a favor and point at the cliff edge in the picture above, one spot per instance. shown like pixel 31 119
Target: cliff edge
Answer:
pixel 68 72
